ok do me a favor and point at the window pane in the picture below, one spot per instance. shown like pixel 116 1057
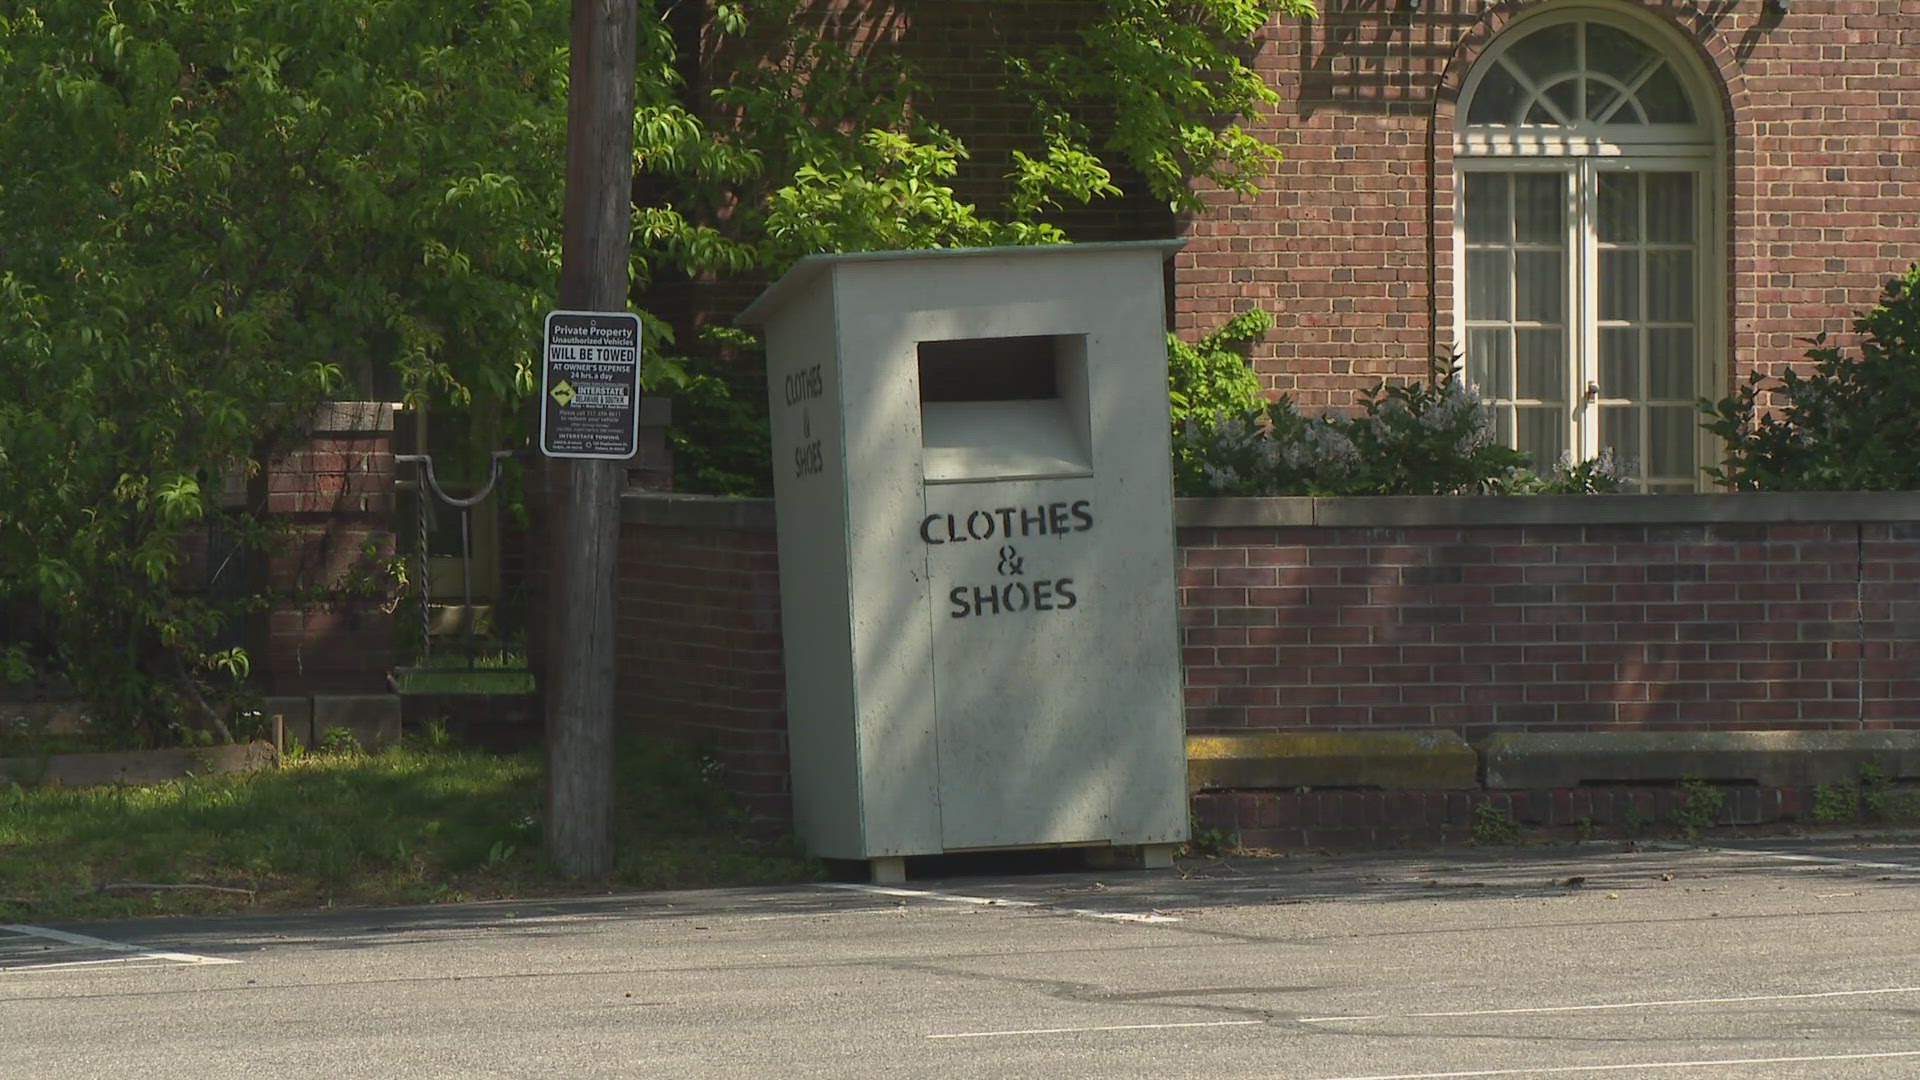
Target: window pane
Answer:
pixel 1670 286
pixel 1497 99
pixel 1619 362
pixel 1540 364
pixel 1546 53
pixel 1565 96
pixel 1538 209
pixel 1670 440
pixel 1488 363
pixel 1619 207
pixel 1542 433
pixel 1616 53
pixel 1538 286
pixel 1620 285
pixel 1489 274
pixel 1665 101
pixel 1601 95
pixel 1670 208
pixel 1486 198
pixel 1670 364
pixel 1620 433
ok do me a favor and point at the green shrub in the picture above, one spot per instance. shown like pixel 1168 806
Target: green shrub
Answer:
pixel 1432 438
pixel 1851 425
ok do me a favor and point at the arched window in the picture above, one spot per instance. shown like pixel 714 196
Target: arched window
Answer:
pixel 1589 243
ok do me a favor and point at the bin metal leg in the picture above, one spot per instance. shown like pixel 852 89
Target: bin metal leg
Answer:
pixel 1156 856
pixel 1132 857
pixel 887 870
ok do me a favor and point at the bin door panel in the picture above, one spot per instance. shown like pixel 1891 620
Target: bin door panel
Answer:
pixel 1022 724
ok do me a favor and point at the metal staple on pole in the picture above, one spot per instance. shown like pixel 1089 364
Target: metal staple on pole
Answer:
pixel 426 579
pixel 429 484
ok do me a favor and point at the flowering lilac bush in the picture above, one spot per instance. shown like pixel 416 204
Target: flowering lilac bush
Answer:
pixel 1415 439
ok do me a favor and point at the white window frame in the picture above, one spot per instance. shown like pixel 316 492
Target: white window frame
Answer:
pixel 1582 152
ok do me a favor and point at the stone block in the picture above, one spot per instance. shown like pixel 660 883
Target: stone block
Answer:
pixel 1399 760
pixel 374 719
pixel 1535 760
pixel 296 714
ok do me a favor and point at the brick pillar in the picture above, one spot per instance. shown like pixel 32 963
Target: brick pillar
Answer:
pixel 327 628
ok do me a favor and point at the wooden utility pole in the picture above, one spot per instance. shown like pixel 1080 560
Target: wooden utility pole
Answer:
pixel 593 277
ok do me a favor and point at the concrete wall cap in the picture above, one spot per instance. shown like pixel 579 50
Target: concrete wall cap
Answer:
pixel 1707 509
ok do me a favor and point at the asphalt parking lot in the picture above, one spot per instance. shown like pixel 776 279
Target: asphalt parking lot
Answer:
pixel 1770 958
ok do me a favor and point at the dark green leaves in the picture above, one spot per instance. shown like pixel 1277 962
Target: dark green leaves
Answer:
pixel 1852 424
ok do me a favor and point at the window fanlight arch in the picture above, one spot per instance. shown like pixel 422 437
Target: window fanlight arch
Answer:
pixel 1581 79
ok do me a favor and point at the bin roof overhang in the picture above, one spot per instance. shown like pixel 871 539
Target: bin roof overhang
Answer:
pixel 809 267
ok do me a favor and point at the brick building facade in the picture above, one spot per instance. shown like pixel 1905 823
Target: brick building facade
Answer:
pixel 1804 133
pixel 1602 212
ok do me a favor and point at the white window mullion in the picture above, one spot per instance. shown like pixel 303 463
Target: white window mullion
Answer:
pixel 1585 305
pixel 1706 314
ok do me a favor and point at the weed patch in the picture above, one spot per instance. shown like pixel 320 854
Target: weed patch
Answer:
pixel 1494 826
pixel 1700 807
pixel 1873 798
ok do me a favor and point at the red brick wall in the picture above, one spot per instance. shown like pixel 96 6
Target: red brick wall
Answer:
pixel 332 491
pixel 699 651
pixel 1350 245
pixel 1475 628
pixel 1551 627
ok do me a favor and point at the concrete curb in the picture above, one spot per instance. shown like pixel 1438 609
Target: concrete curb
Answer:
pixel 136 766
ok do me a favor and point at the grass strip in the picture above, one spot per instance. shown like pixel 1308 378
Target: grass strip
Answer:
pixel 402 826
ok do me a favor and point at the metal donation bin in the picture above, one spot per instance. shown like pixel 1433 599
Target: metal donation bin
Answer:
pixel 977 575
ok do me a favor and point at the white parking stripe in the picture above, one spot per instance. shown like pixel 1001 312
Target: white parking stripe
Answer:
pixel 29 969
pixel 994 901
pixel 1613 1005
pixel 1794 856
pixel 113 946
pixel 1563 1070
pixel 1109 1027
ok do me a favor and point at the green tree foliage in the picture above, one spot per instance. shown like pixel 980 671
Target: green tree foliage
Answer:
pixel 1211 376
pixel 1853 424
pixel 805 139
pixel 214 213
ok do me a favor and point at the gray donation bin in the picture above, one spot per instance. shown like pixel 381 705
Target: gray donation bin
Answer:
pixel 977 574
